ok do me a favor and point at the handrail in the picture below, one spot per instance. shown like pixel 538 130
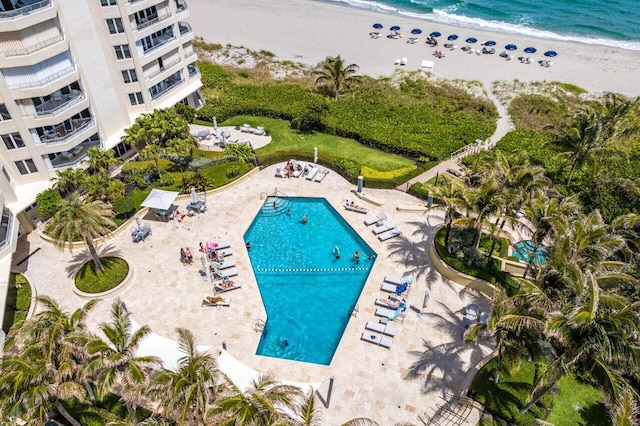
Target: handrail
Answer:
pixel 65 105
pixel 35 47
pixel 48 79
pixel 24 11
pixel 167 89
pixel 163 69
pixel 157 46
pixel 7 239
pixel 73 132
pixel 150 22
pixel 259 326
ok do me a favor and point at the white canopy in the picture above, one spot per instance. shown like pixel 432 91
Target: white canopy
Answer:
pixel 159 199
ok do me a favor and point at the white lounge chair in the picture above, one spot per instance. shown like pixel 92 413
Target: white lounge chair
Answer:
pixel 321 174
pixel 391 314
pixel 378 339
pixel 403 61
pixel 210 300
pixel 312 173
pixel 389 234
pixel 392 288
pixel 381 328
pixel 375 219
pixel 397 61
pixel 386 303
pixel 221 286
pixel 384 227
pixel 358 209
pixel 224 252
pixel 226 264
pixel 221 273
pixel 407 279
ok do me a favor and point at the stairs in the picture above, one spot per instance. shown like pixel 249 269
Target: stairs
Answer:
pixel 274 206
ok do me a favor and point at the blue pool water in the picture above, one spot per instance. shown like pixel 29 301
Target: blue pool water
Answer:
pixel 307 292
pixel 523 250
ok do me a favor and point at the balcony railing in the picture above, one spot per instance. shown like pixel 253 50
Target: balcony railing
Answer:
pixel 152 21
pixel 35 47
pixel 5 228
pixel 23 11
pixel 181 6
pixel 74 155
pixel 189 54
pixel 62 135
pixel 47 79
pixel 169 86
pixel 52 107
pixel 164 39
pixel 184 28
pixel 165 67
pixel 193 70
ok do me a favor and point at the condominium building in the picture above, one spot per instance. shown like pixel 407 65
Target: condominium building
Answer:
pixel 75 74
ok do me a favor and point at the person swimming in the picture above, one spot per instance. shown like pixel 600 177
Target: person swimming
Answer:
pixel 286 342
pixel 356 257
pixel 304 219
pixel 336 252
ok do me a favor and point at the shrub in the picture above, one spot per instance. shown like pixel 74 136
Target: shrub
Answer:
pixel 233 171
pixel 368 172
pixel 201 163
pixel 115 190
pixel 48 202
pixel 124 206
pixel 348 167
pixel 136 178
pixel 167 179
pixel 186 112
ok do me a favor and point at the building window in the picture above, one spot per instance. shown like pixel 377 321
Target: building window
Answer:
pixel 4 113
pixel 13 141
pixel 122 51
pixel 136 98
pixel 115 25
pixel 129 76
pixel 26 166
pixel 108 3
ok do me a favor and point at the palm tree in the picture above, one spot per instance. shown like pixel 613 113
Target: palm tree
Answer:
pixel 243 153
pixel 70 179
pixel 113 360
pixel 185 394
pixel 99 161
pixel 450 196
pixel 334 73
pixel 78 218
pixel 307 413
pixel 152 152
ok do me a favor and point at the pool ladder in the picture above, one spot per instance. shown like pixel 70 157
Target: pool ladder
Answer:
pixel 259 327
pixel 354 312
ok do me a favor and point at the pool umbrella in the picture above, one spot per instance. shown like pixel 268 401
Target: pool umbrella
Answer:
pixel 416 31
pixel 490 43
pixel 435 34
pixel 378 26
pixel 551 53
pixel 472 40
pixel 529 50
pixel 194 196
pixel 511 47
pixel 215 123
pixel 139 222
pixel 315 155
pixel 452 37
pixel 395 28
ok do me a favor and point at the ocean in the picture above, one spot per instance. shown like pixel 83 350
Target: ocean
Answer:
pixel 613 23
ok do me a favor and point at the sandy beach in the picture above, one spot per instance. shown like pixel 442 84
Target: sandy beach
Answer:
pixel 308 31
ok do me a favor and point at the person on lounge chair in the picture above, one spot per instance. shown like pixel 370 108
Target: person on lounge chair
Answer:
pixel 183 256
pixel 393 304
pixel 227 283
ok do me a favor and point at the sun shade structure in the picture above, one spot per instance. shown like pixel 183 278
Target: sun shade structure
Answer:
pixel 472 40
pixel 159 199
pixel 452 37
pixel 530 50
pixel 490 43
pixel 551 53
pixel 416 31
pixel 511 47
pixel 377 26
pixel 435 34
pixel 395 28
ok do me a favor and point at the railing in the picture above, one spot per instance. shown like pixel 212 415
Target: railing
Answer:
pixel 181 6
pixel 259 326
pixel 163 69
pixel 7 238
pixel 35 47
pixel 150 22
pixel 23 11
pixel 184 28
pixel 157 46
pixel 48 79
pixel 189 54
pixel 168 88
pixel 67 135
pixel 62 106
pixel 193 70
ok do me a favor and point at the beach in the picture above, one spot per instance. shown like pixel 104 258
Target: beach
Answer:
pixel 308 31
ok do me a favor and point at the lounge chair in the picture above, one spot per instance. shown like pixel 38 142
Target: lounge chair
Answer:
pixel 222 286
pixel 210 300
pixel 391 314
pixel 312 172
pixel 226 264
pixel 224 252
pixel 403 61
pixel 384 227
pixel 223 245
pixel 390 303
pixel 142 233
pixel 358 209
pixel 378 339
pixel 222 273
pixel 392 288
pixel 280 172
pixel 407 279
pixel 397 62
pixel 375 219
pixel 381 328
pixel 321 174
pixel 389 234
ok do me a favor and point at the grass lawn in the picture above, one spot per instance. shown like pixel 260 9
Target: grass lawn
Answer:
pixel 578 404
pixel 18 301
pixel 286 139
pixel 90 281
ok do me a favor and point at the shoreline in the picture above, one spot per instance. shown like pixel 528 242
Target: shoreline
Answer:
pixel 308 31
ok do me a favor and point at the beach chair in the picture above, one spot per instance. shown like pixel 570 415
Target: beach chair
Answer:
pixel 389 234
pixel 358 209
pixel 384 227
pixel 222 273
pixel 397 289
pixel 209 300
pixel 391 314
pixel 407 279
pixel 390 303
pixel 321 174
pixel 381 328
pixel 227 285
pixel 226 264
pixel 377 339
pixel 311 174
pixel 224 252
pixel 403 62
pixel 375 219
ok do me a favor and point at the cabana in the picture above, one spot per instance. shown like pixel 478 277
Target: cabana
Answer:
pixel 160 201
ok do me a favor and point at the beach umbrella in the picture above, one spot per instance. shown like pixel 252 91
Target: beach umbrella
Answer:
pixel 490 43
pixel 529 50
pixel 435 34
pixel 416 31
pixel 472 40
pixel 395 28
pixel 551 53
pixel 511 47
pixel 139 222
pixel 378 26
pixel 452 37
pixel 194 196
pixel 215 123
pixel 315 155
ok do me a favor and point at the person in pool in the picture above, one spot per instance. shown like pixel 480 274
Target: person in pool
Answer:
pixel 304 219
pixel 356 257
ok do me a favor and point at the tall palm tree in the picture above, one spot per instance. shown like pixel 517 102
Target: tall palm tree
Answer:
pixel 450 196
pixel 186 394
pixel 152 152
pixel 70 179
pixel 334 73
pixel 307 413
pixel 79 218
pixel 113 361
pixel 99 161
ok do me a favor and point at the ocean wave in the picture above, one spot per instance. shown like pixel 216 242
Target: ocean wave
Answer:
pixel 447 15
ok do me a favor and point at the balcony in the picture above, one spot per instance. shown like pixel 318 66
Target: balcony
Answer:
pixel 25 10
pixel 58 104
pixel 158 42
pixel 189 54
pixel 185 28
pixel 73 156
pixel 63 132
pixel 154 20
pixel 7 223
pixel 164 68
pixel 165 86
pixel 193 70
pixel 181 6
pixel 48 79
pixel 35 47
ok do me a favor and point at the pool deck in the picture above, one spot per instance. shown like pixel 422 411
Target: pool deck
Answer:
pixel 427 359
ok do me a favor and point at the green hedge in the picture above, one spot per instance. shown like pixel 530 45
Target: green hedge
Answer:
pixel 18 301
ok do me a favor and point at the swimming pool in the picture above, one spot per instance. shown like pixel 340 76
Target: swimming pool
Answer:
pixel 308 293
pixel 523 250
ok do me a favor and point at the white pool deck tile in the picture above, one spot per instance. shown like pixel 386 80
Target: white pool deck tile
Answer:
pixel 427 359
